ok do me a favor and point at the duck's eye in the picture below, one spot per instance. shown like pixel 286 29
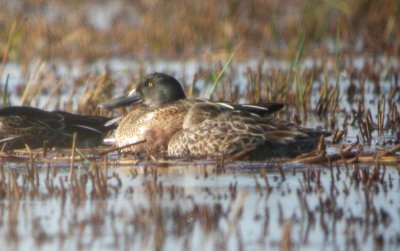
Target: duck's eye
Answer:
pixel 150 84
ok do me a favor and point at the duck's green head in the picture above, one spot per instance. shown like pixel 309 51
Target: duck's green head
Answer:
pixel 153 90
pixel 158 88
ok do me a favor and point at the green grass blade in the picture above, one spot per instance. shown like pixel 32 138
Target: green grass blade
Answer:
pixel 226 65
pixel 300 49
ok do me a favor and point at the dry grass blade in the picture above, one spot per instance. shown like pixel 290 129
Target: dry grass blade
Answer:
pixel 72 168
pixel 121 147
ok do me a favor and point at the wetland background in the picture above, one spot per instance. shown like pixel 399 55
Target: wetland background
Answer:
pixel 334 63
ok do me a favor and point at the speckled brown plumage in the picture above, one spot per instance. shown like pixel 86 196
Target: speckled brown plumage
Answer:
pixel 212 131
pixel 156 126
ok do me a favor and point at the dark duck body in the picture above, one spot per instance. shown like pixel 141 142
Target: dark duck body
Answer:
pixel 215 131
pixel 161 106
pixel 22 125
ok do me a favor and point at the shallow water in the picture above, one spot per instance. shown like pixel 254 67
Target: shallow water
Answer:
pixel 205 207
pixel 202 205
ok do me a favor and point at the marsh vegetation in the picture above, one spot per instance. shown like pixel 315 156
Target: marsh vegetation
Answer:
pixel 335 64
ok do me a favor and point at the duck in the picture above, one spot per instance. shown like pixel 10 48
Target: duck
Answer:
pixel 214 131
pixel 22 126
pixel 160 106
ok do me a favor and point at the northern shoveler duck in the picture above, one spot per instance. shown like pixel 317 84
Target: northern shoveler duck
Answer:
pixel 20 125
pixel 162 106
pixel 211 130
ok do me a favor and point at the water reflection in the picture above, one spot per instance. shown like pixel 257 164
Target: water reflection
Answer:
pixel 200 207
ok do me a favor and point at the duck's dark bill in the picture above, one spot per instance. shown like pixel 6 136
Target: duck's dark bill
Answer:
pixel 121 101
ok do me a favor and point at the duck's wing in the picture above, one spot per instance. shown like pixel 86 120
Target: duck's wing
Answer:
pixel 20 125
pixel 85 123
pixel 24 118
pixel 215 137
